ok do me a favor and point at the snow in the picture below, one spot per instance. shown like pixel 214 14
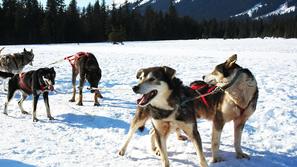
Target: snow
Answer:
pixel 91 136
pixel 250 12
pixel 283 9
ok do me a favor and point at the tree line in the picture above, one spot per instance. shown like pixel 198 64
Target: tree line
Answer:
pixel 27 21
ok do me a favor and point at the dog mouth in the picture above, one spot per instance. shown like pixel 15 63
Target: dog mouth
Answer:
pixel 50 87
pixel 146 98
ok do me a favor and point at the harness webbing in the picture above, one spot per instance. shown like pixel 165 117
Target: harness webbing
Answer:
pixel 198 87
pixel 73 58
pixel 22 83
pixel 24 86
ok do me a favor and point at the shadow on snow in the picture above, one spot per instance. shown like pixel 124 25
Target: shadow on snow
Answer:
pixel 8 162
pixel 93 121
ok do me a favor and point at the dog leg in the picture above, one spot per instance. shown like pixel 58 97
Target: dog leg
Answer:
pixel 139 120
pixel 81 85
pixel 74 75
pixel 46 102
pixel 215 140
pixel 161 137
pixel 96 103
pixel 35 100
pixel 4 86
pixel 154 148
pixel 193 134
pixel 238 127
pixel 20 103
pixel 11 90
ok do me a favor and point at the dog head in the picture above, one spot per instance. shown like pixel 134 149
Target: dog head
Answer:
pixel 223 73
pixel 28 57
pixel 93 75
pixel 47 77
pixel 154 84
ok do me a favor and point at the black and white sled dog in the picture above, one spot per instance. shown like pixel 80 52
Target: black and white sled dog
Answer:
pixel 236 101
pixel 34 82
pixel 15 62
pixel 162 94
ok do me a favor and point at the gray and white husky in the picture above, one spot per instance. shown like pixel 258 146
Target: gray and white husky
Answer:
pixel 15 62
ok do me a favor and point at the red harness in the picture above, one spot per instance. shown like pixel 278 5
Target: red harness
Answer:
pixel 73 58
pixel 22 83
pixel 24 86
pixel 199 87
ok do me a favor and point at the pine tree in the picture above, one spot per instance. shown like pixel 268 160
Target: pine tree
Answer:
pixel 73 31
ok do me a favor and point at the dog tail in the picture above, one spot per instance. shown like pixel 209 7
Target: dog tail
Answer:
pixel 6 74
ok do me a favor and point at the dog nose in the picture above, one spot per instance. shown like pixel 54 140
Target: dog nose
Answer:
pixel 135 88
pixel 203 77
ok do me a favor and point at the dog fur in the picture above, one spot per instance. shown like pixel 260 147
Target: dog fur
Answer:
pixel 162 93
pixel 88 69
pixel 35 82
pixel 15 63
pixel 237 103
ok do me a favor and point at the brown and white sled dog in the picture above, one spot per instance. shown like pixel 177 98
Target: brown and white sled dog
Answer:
pixel 162 94
pixel 236 102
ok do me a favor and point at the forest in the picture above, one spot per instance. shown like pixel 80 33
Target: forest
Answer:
pixel 29 22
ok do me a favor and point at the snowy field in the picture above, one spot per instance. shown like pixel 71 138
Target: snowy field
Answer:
pixel 91 136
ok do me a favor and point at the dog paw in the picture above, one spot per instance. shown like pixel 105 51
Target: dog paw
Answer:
pixel 5 113
pixel 51 118
pixel 242 155
pixel 71 100
pixel 182 138
pixel 217 159
pixel 96 104
pixel 35 120
pixel 80 104
pixel 25 112
pixel 156 151
pixel 121 152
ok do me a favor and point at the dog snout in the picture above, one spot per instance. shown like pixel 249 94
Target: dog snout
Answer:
pixel 135 89
pixel 203 77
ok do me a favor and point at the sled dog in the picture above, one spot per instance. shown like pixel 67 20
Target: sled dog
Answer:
pixel 15 63
pixel 85 64
pixel 34 82
pixel 236 100
pixel 162 94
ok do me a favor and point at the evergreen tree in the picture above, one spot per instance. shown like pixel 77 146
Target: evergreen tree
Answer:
pixel 73 31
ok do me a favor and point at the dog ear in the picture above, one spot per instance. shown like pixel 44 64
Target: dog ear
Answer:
pixel 170 72
pixel 231 61
pixel 139 72
pixel 52 69
pixel 25 50
pixel 31 50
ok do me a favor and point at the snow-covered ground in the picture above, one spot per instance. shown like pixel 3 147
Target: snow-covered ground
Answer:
pixel 91 136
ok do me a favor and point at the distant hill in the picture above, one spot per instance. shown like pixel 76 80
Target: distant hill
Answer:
pixel 221 9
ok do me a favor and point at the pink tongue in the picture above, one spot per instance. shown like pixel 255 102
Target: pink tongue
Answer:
pixel 142 100
pixel 51 88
